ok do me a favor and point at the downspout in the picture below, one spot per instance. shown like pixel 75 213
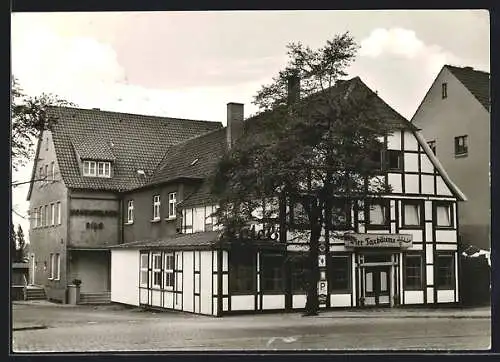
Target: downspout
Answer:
pixel 121 231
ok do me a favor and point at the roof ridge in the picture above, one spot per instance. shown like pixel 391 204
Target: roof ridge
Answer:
pixel 467 68
pixel 132 114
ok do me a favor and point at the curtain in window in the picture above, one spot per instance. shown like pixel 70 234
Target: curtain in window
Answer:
pixel 412 214
pixel 377 214
pixel 443 214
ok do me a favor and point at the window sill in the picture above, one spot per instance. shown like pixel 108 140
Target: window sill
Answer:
pixel 129 223
pixel 172 218
pixel 340 291
pixel 377 227
pixel 461 155
pixel 155 220
pixel 412 227
pixel 444 227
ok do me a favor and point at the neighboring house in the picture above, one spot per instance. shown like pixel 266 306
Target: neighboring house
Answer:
pixel 403 250
pixel 455 120
pixel 82 165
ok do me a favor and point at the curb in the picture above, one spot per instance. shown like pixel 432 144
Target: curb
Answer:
pixel 412 316
pixel 29 328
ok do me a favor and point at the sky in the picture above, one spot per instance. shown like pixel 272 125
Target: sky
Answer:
pixel 191 64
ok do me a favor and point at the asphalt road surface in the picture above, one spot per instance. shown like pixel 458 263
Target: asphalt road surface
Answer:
pixel 89 329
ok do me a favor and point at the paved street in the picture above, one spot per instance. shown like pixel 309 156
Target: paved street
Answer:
pixel 47 327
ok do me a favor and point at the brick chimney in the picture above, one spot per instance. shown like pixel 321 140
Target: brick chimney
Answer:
pixel 234 122
pixel 293 89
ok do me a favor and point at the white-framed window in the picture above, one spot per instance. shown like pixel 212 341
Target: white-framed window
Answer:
pixel 51 266
pixel 89 168
pixel 104 169
pixel 40 212
pixel 57 271
pixel 169 271
pixel 55 266
pixel 52 214
pixel 411 213
pixel 45 215
pixel 157 270
pixel 36 217
pixel 130 211
pixel 52 171
pixel 188 221
pixel 156 207
pixel 444 215
pixel 58 212
pixel 172 202
pixel 143 277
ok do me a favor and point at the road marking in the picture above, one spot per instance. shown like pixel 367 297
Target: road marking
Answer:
pixel 290 339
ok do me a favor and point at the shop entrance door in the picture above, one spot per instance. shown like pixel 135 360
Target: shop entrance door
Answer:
pixel 377 286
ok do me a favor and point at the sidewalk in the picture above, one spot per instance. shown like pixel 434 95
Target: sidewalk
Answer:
pixel 408 312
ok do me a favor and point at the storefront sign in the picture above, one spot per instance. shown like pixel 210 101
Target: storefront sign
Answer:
pixel 270 233
pixel 352 240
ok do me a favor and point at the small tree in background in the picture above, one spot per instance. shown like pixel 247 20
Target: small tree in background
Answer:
pixel 21 244
pixel 306 153
pixel 13 243
pixel 29 118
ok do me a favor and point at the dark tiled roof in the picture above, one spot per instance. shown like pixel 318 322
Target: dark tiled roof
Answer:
pixel 194 158
pixel 476 81
pixel 254 125
pixel 98 149
pixel 137 142
pixel 178 241
pixel 200 197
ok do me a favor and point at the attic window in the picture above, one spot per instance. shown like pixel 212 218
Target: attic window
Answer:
pixel 444 90
pixel 96 169
pixel 194 162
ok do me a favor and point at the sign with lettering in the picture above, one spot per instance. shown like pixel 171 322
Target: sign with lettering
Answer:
pixel 352 240
pixel 270 233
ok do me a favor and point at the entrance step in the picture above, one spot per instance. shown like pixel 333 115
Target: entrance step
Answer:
pixel 35 293
pixel 95 298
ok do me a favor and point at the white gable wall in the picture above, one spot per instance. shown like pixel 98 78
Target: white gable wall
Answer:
pixel 444 119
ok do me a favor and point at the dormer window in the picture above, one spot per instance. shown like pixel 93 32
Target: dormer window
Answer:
pixel 96 169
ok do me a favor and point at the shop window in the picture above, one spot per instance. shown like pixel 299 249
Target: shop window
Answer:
pixel 272 275
pixel 144 270
pixel 242 271
pixel 341 215
pixel 394 160
pixel 413 272
pixel 156 270
pixel 445 271
pixel 444 215
pixel 378 213
pixel 169 271
pixel 298 273
pixel 340 274
pixel 412 213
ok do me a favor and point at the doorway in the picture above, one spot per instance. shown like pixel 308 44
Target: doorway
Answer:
pixel 377 286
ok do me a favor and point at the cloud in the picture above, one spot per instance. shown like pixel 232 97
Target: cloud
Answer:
pixel 394 41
